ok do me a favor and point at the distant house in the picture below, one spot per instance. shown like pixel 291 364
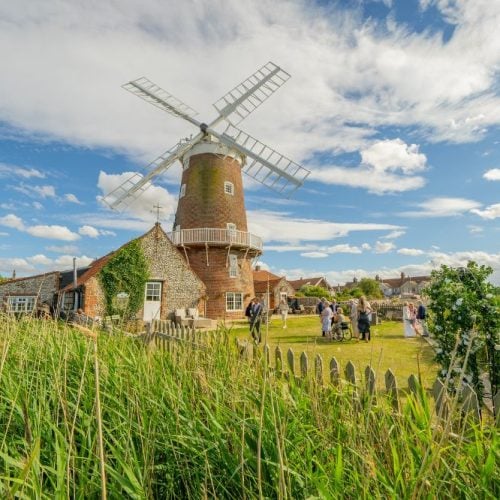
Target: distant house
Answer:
pixel 317 281
pixel 172 284
pixel 271 288
pixel 396 287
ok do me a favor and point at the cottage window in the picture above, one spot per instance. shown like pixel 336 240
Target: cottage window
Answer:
pixel 229 188
pixel 21 304
pixel 183 191
pixel 234 301
pixel 233 266
pixel 153 291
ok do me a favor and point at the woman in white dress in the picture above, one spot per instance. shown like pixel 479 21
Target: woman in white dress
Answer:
pixel 408 329
pixel 283 310
pixel 326 320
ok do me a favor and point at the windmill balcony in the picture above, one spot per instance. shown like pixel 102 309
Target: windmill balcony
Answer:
pixel 216 237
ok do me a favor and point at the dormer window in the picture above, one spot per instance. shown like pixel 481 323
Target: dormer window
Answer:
pixel 229 188
pixel 183 191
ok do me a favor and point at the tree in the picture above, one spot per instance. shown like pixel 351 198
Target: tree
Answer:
pixel 315 291
pixel 465 320
pixel 370 288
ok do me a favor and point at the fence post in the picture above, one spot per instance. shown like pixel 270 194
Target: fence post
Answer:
pixel 290 360
pixel 278 363
pixel 441 398
pixel 334 371
pixel 370 380
pixel 413 385
pixel 303 365
pixel 318 369
pixel 470 403
pixel 392 389
pixel 350 373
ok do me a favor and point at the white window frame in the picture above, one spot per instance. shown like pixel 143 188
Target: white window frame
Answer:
pixel 233 265
pixel 21 303
pixel 152 291
pixel 183 191
pixel 228 188
pixel 234 301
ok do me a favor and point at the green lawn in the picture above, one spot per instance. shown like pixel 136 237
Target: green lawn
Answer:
pixel 387 349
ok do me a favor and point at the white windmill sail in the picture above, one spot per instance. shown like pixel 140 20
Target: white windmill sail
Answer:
pixel 239 102
pixel 152 93
pixel 128 191
pixel 264 164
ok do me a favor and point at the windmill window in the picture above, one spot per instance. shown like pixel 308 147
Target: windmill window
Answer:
pixel 183 191
pixel 229 188
pixel 234 301
pixel 233 266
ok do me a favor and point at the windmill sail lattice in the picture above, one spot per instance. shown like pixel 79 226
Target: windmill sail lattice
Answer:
pixel 264 164
pixel 239 102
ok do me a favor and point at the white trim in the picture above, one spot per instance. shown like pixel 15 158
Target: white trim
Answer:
pixel 233 296
pixel 183 191
pixel 228 188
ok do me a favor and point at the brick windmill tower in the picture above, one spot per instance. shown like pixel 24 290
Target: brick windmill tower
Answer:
pixel 210 223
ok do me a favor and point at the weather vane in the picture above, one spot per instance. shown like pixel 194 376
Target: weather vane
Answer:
pixel 157 208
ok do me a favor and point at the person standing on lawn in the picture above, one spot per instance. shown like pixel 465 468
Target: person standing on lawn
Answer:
pixel 422 318
pixel 364 312
pixel 255 319
pixel 409 330
pixel 326 319
pixel 283 310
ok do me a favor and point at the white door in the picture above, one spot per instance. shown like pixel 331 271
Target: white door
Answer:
pixel 152 300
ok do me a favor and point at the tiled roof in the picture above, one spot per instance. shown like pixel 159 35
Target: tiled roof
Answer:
pixel 297 284
pixel 263 275
pixel 261 286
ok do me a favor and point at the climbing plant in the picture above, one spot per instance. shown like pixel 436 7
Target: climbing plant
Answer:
pixel 126 272
pixel 465 322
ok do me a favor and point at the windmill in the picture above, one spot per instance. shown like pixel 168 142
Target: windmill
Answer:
pixel 210 222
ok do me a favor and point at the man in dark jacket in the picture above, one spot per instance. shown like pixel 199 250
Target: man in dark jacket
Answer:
pixel 255 319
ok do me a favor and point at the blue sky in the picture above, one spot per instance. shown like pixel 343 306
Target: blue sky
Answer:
pixel 394 107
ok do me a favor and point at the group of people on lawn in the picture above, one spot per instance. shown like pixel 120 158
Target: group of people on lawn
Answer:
pixel 332 317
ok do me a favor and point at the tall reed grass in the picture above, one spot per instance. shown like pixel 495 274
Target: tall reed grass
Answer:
pixel 199 423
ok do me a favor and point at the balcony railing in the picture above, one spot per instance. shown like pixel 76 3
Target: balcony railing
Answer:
pixel 216 237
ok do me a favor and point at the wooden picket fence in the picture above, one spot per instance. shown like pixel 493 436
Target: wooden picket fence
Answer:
pixel 165 335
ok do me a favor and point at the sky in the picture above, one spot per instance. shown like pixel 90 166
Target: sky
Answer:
pixel 393 106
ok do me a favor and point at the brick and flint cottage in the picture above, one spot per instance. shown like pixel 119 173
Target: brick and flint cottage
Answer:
pixel 271 288
pixel 172 284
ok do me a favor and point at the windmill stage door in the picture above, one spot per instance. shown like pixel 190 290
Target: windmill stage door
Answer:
pixel 152 300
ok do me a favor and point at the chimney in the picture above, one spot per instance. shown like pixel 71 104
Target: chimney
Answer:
pixel 257 268
pixel 14 274
pixel 377 277
pixel 402 275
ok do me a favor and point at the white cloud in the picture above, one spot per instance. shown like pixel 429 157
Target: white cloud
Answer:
pixel 492 175
pixel 384 247
pixel 410 251
pixel 281 227
pixel 491 212
pixel 21 266
pixel 40 263
pixel 311 250
pixel 12 220
pixel 393 235
pixel 2 233
pixel 89 231
pixel 475 229
pixel 68 249
pixel 314 255
pixel 40 260
pixel 71 198
pixel 36 191
pixel 443 207
pixel 15 171
pixel 54 232
pixel 394 155
pixel 37 205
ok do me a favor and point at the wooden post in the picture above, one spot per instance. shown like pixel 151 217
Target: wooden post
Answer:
pixel 350 373
pixel 391 387
pixel 278 363
pixel 370 380
pixel 413 385
pixel 303 365
pixel 334 371
pixel 290 360
pixel 470 404
pixel 318 369
pixel 266 356
pixel 441 398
